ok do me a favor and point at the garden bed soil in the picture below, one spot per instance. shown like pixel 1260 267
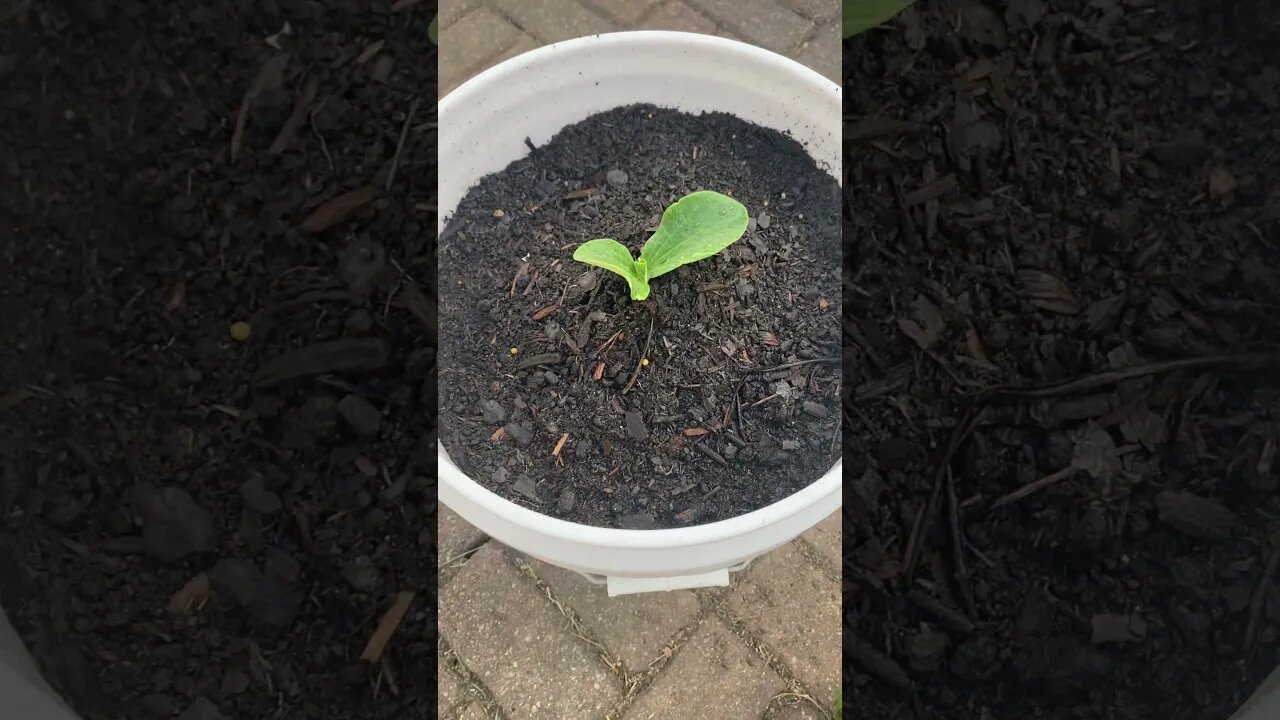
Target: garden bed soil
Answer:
pixel 1044 191
pixel 190 524
pixel 565 396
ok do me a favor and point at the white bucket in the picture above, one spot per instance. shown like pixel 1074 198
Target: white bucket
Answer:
pixel 483 127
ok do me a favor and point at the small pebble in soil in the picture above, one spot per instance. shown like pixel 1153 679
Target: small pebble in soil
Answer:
pixel 636 521
pixel 636 429
pixel 234 682
pixel 173 525
pixel 616 178
pixel 363 418
pixel 258 498
pixel 526 487
pixel 586 280
pixel 318 415
pixel 926 651
pixel 764 221
pixel 201 709
pixel 359 322
pixel 362 574
pixel 520 433
pixel 567 499
pixel 267 598
pixel 492 411
pixel 814 409
pixel 501 475
pixel 240 331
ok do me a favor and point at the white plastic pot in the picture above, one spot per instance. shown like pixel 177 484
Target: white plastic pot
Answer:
pixel 483 128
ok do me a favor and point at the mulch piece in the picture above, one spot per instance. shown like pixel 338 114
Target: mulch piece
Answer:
pixel 1064 281
pixel 199 521
pixel 571 399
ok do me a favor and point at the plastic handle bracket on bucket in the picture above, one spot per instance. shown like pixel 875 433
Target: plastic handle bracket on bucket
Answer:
pixel 629 586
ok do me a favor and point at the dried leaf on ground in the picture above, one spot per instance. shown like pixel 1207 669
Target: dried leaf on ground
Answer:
pixel 928 324
pixel 1221 182
pixel 1048 292
pixel 339 208
pixel 387 627
pixel 192 597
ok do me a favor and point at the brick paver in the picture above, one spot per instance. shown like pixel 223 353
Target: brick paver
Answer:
pixel 506 633
pixel 625 12
pixel 762 22
pixel 794 607
pixel 715 676
pixel 454 537
pixel 825 538
pixel 632 627
pixel 553 20
pixel 677 15
pixel 467 46
pixel 822 53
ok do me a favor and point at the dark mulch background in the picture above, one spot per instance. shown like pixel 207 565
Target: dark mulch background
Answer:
pixel 656 451
pixel 1041 191
pixel 142 449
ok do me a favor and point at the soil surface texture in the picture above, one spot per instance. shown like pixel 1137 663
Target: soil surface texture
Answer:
pixel 216 410
pixel 715 397
pixel 1081 198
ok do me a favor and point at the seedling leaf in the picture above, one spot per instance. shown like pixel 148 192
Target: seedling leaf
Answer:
pixel 615 257
pixel 695 227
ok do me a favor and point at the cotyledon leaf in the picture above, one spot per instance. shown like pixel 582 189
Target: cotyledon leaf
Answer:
pixel 695 227
pixel 613 256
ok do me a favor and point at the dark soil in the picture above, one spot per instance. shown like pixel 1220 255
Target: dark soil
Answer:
pixel 187 520
pixel 662 411
pixel 1038 192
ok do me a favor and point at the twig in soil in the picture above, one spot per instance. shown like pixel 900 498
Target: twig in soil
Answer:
pixel 702 448
pixel 1103 379
pixel 404 133
pixel 1259 600
pixel 644 356
pixel 880 665
pixel 290 129
pixel 957 547
pixel 604 347
pixel 788 366
pixel 958 434
pixel 952 618
pixel 387 627
pixel 1033 487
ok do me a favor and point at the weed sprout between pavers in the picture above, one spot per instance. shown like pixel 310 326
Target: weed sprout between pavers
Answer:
pixel 693 228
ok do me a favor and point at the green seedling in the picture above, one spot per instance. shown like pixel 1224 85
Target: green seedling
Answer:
pixel 862 15
pixel 694 227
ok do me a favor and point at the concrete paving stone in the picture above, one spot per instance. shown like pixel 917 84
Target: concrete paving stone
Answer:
pixel 795 711
pixel 794 608
pixel 676 15
pixel 635 628
pixel 715 676
pixel 625 12
pixel 523 45
pixel 449 689
pixel 454 536
pixel 820 11
pixel 512 639
pixel 825 537
pixel 553 20
pixel 474 711
pixel 468 44
pixel 822 52
pixel 761 22
pixel 451 11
